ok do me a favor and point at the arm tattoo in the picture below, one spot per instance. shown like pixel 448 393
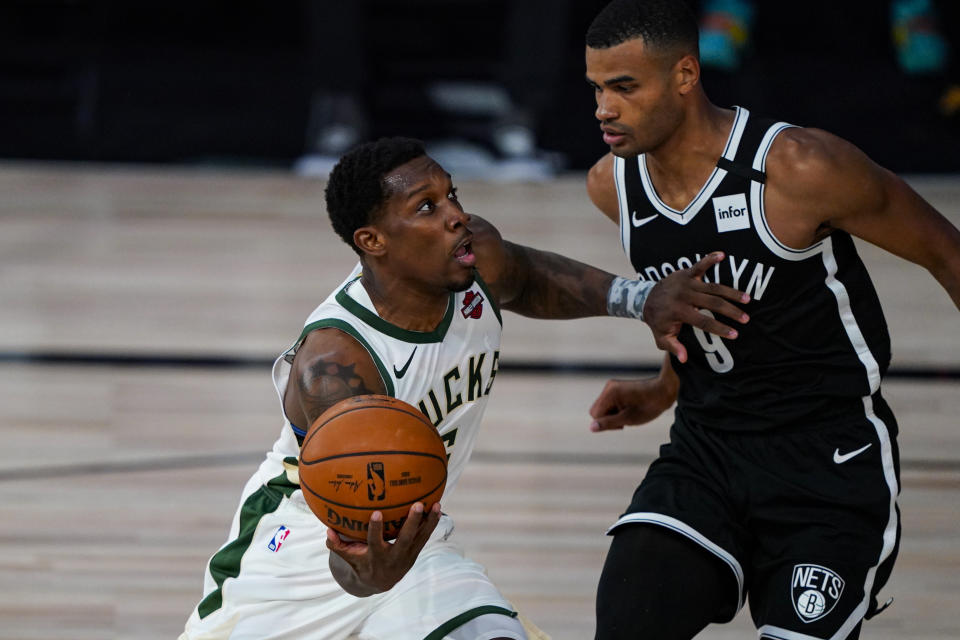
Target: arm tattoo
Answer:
pixel 324 383
pixel 627 297
pixel 552 286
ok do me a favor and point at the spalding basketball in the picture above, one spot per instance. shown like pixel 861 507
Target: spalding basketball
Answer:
pixel 371 453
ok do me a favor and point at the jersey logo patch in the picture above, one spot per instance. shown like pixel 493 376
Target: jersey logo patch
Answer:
pixel 731 212
pixel 277 541
pixel 639 222
pixel 403 370
pixel 472 305
pixel 816 591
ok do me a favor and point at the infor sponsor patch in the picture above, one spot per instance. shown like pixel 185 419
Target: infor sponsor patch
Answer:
pixel 731 212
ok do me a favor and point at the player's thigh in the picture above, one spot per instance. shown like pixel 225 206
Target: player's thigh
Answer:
pixel 812 589
pixel 657 583
pixel 827 530
pixel 272 579
pixel 488 627
pixel 821 599
pixel 442 593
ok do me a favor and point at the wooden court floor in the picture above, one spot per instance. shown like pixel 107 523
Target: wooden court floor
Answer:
pixel 117 481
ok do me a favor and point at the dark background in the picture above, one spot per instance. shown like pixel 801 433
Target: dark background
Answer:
pixel 229 82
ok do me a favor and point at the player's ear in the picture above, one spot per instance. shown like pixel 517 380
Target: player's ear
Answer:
pixel 370 240
pixel 687 73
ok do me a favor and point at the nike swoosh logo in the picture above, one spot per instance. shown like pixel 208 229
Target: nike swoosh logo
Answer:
pixel 840 458
pixel 638 222
pixel 403 371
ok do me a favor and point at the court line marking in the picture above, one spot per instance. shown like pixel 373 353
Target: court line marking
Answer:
pixel 559 367
pixel 174 463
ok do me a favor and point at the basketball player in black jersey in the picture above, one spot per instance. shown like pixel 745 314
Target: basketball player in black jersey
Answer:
pixel 781 476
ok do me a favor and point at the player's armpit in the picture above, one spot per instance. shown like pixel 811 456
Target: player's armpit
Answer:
pixel 330 365
pixel 816 180
pixel 602 189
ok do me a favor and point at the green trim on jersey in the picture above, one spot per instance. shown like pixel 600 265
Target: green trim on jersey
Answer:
pixel 225 563
pixel 346 327
pixel 465 617
pixel 381 325
pixel 490 299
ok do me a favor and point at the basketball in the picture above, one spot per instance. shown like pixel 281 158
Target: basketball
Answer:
pixel 371 453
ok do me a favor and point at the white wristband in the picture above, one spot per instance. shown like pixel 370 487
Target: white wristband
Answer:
pixel 627 297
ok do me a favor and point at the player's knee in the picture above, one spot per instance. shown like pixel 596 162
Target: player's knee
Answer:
pixel 505 627
pixel 658 584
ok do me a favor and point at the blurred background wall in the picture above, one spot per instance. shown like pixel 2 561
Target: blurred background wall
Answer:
pixel 237 82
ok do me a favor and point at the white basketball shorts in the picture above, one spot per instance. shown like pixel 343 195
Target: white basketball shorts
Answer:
pixel 271 580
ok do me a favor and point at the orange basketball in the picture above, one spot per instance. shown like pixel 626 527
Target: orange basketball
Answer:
pixel 371 453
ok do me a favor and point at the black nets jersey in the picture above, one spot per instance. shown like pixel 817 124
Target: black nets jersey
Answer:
pixel 816 342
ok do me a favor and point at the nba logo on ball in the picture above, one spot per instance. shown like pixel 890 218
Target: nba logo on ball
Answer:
pixel 376 487
pixel 816 591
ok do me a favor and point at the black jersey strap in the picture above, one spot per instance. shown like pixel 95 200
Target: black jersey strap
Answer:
pixel 741 170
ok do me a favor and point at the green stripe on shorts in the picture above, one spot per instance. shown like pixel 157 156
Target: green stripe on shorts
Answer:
pixel 465 617
pixel 225 563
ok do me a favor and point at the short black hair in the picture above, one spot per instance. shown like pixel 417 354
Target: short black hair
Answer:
pixel 355 190
pixel 662 24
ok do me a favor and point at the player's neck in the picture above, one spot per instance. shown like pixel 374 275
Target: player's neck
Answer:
pixel 403 306
pixel 681 165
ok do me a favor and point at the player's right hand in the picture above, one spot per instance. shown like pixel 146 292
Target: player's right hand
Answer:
pixel 677 300
pixel 377 563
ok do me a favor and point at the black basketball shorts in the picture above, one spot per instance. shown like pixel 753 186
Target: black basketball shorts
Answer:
pixel 806 518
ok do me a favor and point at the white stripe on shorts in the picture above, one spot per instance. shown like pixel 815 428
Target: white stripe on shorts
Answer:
pixel 686 530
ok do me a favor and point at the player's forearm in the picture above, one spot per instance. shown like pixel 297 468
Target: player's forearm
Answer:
pixel 669 380
pixel 949 278
pixel 945 262
pixel 553 286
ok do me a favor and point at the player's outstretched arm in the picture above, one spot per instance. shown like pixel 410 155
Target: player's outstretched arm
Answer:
pixel 818 182
pixel 331 365
pixel 542 284
pixel 631 402
pixel 537 283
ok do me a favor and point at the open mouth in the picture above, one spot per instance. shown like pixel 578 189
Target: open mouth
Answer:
pixel 464 255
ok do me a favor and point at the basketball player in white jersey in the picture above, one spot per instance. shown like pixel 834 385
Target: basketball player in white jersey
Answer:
pixel 419 320
pixel 780 480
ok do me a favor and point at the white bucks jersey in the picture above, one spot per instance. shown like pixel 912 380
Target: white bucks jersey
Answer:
pixel 448 372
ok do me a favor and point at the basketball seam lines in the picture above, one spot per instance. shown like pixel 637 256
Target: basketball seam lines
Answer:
pixel 417 415
pixel 372 453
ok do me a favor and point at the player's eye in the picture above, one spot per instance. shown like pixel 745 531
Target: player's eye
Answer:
pixel 453 195
pixel 425 207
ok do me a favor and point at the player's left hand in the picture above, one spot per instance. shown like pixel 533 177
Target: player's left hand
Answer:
pixel 678 299
pixel 630 402
pixel 379 564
